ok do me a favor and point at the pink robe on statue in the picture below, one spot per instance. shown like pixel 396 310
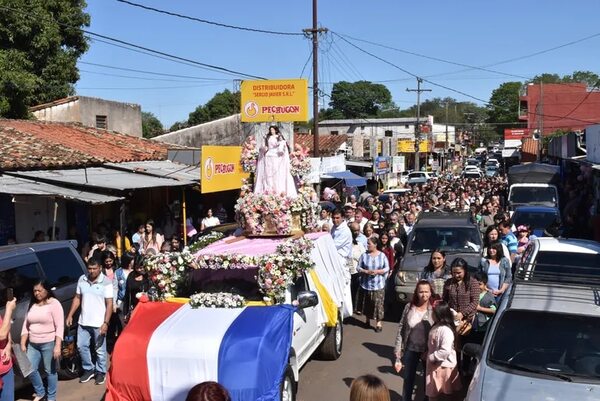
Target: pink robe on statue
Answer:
pixel 273 170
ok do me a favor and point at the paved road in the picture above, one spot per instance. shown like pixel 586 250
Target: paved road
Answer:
pixel 364 351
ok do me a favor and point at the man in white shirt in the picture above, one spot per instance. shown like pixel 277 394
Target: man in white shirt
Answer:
pixel 342 236
pixel 359 218
pixel 94 294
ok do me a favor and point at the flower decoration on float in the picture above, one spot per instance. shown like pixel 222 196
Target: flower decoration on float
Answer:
pixel 275 272
pixel 300 162
pixel 204 241
pixel 167 271
pixel 217 300
pixel 249 157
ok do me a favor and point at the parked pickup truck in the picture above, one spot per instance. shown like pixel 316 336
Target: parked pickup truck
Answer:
pixel 254 349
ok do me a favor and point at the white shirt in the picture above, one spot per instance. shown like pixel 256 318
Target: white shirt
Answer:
pixel 93 299
pixel 210 222
pixel 342 237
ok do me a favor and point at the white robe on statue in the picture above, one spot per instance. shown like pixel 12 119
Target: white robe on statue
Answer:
pixel 273 170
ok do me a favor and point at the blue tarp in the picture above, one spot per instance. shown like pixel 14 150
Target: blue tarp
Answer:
pixel 351 179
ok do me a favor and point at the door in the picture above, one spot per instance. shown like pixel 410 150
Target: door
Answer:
pixel 307 331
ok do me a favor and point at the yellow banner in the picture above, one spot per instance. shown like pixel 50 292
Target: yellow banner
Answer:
pixel 274 100
pixel 379 146
pixel 408 146
pixel 221 169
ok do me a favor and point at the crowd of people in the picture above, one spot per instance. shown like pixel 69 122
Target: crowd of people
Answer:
pixel 371 232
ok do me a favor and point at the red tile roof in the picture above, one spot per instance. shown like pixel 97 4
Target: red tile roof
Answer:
pixel 328 144
pixel 29 145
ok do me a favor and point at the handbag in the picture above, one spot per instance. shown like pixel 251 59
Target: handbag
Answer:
pixel 464 328
pixel 21 361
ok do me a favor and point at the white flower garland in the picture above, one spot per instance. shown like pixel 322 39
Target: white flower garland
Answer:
pixel 217 300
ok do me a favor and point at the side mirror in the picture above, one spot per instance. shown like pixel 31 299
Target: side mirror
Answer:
pixel 472 350
pixel 306 299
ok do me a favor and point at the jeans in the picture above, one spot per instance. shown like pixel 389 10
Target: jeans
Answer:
pixel 43 353
pixel 7 393
pixel 85 335
pixel 410 360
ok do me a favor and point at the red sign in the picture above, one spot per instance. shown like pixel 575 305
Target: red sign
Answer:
pixel 516 133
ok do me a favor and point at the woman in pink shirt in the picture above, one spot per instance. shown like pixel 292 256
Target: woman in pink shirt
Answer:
pixel 43 328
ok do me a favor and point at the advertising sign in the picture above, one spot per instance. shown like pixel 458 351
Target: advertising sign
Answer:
pixel 274 100
pixel 381 165
pixel 515 133
pixel 398 164
pixel 408 146
pixel 221 169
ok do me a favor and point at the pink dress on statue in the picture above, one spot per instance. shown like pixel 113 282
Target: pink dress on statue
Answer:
pixel 273 170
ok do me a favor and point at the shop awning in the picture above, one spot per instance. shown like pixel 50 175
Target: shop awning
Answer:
pixel 101 177
pixel 359 163
pixel 21 186
pixel 351 179
pixel 161 168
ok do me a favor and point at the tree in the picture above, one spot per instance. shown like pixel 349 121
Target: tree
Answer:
pixel 587 77
pixel 178 125
pixel 504 106
pixel 223 104
pixel 40 43
pixel 362 99
pixel 151 125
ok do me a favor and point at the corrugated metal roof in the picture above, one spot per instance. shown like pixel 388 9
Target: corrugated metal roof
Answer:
pixel 21 186
pixel 373 121
pixel 101 177
pixel 162 168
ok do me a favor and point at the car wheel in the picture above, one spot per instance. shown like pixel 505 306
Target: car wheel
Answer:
pixel 331 347
pixel 70 368
pixel 288 386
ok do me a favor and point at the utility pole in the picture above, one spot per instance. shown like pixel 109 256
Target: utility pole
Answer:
pixel 446 143
pixel 314 31
pixel 540 121
pixel 418 124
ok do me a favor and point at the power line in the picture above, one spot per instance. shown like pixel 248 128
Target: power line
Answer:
pixel 151 72
pixel 432 58
pixel 204 21
pixel 140 78
pixel 139 48
pixel 485 102
pixel 194 62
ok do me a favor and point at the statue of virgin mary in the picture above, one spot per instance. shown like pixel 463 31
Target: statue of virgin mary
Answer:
pixel 273 167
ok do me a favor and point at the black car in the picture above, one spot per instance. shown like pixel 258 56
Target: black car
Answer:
pixel 56 262
pixel 454 233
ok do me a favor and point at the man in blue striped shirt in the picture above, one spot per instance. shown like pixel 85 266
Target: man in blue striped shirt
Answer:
pixel 509 239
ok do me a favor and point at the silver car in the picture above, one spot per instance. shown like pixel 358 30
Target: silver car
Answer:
pixel 544 342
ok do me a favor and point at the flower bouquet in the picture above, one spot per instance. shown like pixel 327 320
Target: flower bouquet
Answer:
pixel 249 155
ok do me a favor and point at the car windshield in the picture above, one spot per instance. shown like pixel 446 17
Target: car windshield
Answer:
pixel 557 345
pixel 536 220
pixel 463 239
pixel 566 267
pixel 533 195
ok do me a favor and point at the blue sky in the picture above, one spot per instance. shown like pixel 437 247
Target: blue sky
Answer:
pixel 471 32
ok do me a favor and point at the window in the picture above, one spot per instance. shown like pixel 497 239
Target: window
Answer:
pixel 555 344
pixel 406 126
pixel 298 287
pixel 60 266
pixel 388 134
pixel 101 122
pixel 334 132
pixel 367 147
pixel 21 279
pixel 462 239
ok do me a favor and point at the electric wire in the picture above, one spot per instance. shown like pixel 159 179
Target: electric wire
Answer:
pixel 204 21
pixel 151 72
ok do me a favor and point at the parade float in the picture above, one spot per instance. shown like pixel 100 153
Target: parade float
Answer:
pixel 246 311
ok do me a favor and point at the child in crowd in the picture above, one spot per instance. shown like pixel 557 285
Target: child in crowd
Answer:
pixel 441 378
pixel 485 309
pixel 522 237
